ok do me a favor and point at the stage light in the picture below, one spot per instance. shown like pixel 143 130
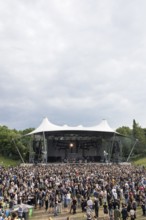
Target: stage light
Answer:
pixel 71 145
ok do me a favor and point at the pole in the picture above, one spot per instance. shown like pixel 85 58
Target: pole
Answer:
pixel 31 150
pixel 132 149
pixel 113 139
pixel 18 151
pixel 45 148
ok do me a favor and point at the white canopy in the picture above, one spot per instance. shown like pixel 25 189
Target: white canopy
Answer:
pixel 47 126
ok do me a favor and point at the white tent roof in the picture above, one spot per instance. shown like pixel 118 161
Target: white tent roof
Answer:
pixel 46 125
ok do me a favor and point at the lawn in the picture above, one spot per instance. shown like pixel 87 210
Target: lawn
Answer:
pixel 140 161
pixel 6 162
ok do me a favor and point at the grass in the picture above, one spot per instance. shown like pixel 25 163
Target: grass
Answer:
pixel 6 162
pixel 40 214
pixel 140 162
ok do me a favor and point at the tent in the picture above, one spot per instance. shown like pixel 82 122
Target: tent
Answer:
pixel 53 142
pixel 47 126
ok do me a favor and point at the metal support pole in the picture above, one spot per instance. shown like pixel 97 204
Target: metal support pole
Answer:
pixel 31 151
pixel 132 149
pixel 18 151
pixel 110 155
pixel 45 147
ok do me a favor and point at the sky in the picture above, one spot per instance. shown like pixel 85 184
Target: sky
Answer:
pixel 75 62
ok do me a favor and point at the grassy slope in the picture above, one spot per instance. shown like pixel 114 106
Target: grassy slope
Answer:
pixel 8 162
pixel 140 161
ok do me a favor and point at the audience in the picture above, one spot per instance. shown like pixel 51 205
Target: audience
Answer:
pixel 68 187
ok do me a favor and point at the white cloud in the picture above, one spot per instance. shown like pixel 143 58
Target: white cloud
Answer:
pixel 75 62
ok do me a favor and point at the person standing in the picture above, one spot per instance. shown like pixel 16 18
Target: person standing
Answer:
pixel 117 214
pixel 20 212
pixel 25 211
pixel 89 213
pixel 105 210
pixel 110 207
pixel 46 201
pixel 68 199
pixel 132 214
pixel 96 207
pixel 143 207
pixel 74 205
pixel 56 206
pixel 134 206
pixel 124 212
pixel 90 203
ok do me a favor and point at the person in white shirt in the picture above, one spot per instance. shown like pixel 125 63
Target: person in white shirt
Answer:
pixel 104 195
pixel 132 214
pixel 68 199
pixel 90 203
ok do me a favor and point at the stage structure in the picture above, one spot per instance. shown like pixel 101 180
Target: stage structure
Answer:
pixel 53 143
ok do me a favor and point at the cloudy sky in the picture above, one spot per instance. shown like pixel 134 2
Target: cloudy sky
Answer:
pixel 73 61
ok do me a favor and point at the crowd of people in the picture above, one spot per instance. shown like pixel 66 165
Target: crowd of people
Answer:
pixel 116 189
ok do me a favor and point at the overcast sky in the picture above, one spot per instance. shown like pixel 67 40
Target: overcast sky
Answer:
pixel 73 61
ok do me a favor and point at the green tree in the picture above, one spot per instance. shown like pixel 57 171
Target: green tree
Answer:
pixel 12 144
pixel 125 131
pixel 126 140
pixel 139 135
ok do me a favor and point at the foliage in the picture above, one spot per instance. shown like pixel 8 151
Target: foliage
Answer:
pixel 126 135
pixel 12 144
pixel 133 137
pixel 126 147
pixel 125 131
pixel 139 135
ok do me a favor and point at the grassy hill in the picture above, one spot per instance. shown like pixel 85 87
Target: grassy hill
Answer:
pixel 8 162
pixel 140 161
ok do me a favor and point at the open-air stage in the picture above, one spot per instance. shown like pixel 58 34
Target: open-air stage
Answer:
pixel 64 144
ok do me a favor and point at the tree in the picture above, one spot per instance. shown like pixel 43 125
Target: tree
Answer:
pixel 11 143
pixel 139 134
pixel 126 140
pixel 126 131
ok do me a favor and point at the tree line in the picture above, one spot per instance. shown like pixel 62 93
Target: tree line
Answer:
pixel 13 141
